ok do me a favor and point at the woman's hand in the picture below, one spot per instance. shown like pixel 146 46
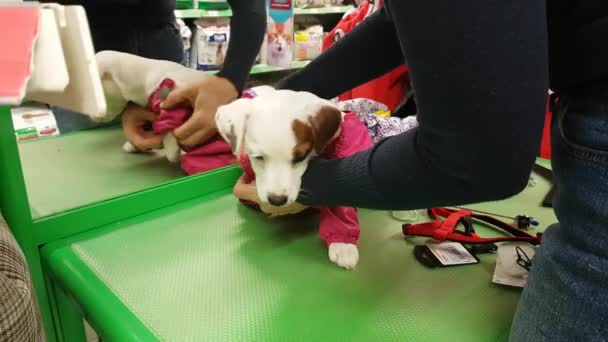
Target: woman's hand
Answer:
pixel 204 96
pixel 248 192
pixel 136 125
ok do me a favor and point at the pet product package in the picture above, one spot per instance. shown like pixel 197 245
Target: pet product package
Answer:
pixel 186 34
pixel 33 121
pixel 318 3
pixel 279 35
pixel 209 46
pixel 308 43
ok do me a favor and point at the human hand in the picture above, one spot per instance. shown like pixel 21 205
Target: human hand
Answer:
pixel 136 125
pixel 204 96
pixel 248 192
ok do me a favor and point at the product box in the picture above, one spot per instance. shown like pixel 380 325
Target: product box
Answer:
pixel 209 46
pixel 308 43
pixel 33 121
pixel 186 35
pixel 279 35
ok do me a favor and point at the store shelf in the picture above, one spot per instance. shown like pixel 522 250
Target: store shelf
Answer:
pixel 323 10
pixel 201 13
pixel 265 68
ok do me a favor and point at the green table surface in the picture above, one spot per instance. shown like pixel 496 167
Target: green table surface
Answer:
pixel 214 270
pixel 71 171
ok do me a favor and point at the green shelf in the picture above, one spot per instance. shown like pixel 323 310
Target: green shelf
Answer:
pixel 322 10
pixel 202 13
pixel 265 68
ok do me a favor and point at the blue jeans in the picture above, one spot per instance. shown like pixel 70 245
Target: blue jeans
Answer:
pixel 163 43
pixel 566 298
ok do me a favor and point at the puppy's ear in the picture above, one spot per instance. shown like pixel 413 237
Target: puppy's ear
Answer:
pixel 325 124
pixel 231 121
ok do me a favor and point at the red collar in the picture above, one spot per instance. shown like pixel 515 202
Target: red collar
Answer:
pixel 442 230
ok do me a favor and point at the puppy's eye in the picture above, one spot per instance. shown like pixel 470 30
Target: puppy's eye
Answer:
pixel 298 160
pixel 259 158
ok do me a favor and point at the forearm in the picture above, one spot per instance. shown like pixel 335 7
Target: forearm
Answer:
pixel 368 51
pixel 480 75
pixel 247 28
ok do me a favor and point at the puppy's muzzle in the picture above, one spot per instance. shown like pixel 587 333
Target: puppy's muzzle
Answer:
pixel 277 200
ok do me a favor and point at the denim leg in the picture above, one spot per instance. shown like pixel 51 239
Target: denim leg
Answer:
pixel 566 298
pixel 68 121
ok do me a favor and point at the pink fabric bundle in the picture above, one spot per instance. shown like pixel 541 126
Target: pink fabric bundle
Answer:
pixel 213 154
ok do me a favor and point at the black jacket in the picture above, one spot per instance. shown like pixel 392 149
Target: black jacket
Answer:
pixel 578 50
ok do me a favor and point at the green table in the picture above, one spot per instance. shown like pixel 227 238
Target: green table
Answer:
pixel 75 170
pixel 211 269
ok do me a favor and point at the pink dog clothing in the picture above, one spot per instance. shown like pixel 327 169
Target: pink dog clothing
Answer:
pixel 337 224
pixel 213 154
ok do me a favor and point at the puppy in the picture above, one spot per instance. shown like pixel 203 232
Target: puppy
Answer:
pixel 130 78
pixel 279 132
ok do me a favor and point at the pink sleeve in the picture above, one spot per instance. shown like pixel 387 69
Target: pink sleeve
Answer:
pixel 354 137
pixel 339 224
pixel 168 120
pixel 210 156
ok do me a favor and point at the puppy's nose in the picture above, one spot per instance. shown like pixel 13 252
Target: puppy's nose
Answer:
pixel 277 200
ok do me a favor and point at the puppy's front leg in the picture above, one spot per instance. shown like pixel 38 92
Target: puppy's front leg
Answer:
pixel 339 228
pixel 344 254
pixel 129 148
pixel 171 147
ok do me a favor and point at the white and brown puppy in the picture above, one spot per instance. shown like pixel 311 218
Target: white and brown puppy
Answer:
pixel 130 78
pixel 280 131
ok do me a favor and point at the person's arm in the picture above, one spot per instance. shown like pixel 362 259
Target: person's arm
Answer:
pixel 370 50
pixel 481 79
pixel 247 28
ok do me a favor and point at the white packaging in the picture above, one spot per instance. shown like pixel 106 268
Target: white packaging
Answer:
pixel 509 268
pixel 279 43
pixel 186 35
pixel 33 121
pixel 308 43
pixel 209 47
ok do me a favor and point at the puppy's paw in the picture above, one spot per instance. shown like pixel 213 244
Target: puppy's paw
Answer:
pixel 129 148
pixel 344 254
pixel 171 147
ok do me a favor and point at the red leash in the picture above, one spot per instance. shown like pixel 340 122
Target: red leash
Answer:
pixel 443 230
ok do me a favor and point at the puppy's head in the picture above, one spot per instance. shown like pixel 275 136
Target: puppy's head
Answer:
pixel 279 131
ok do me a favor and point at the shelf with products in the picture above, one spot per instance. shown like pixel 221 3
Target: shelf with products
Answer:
pixel 202 13
pixel 265 68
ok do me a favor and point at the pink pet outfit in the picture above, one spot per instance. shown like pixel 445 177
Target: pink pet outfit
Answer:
pixel 213 154
pixel 337 224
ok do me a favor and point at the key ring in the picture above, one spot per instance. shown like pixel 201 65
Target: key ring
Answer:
pixel 523 259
